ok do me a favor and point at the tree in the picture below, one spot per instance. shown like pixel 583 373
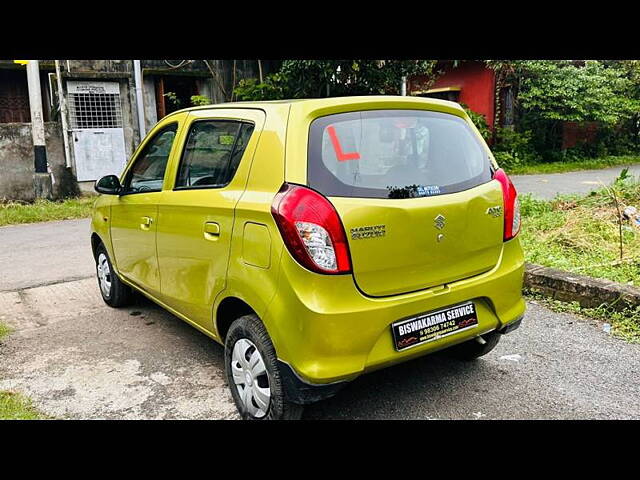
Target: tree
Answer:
pixel 550 92
pixel 572 91
pixel 324 78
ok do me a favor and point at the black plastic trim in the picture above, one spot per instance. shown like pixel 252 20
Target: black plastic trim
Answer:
pixel 511 327
pixel 300 392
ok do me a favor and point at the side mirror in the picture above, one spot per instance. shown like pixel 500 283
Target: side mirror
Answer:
pixel 109 185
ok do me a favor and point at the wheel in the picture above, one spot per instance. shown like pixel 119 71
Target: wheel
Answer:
pixel 472 349
pixel 252 373
pixel 114 292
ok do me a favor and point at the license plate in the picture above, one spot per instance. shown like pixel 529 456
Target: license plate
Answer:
pixel 431 326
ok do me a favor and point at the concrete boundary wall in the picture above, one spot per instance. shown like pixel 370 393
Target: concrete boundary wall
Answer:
pixel 588 291
pixel 16 162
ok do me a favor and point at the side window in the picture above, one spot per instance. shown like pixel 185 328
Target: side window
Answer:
pixel 147 173
pixel 212 153
pixel 241 144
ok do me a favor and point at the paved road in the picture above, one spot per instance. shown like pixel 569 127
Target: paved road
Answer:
pixel 44 253
pixel 77 358
pixel 547 186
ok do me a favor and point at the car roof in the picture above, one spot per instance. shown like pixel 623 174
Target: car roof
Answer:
pixel 328 102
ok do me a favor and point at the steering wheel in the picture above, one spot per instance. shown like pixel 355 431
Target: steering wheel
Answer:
pixel 209 180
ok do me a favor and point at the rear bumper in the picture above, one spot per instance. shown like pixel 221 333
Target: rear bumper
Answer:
pixel 327 331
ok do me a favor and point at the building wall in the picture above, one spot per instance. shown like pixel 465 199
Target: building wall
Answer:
pixel 149 100
pixel 477 83
pixel 16 147
pixel 108 71
pixel 16 161
pixel 575 133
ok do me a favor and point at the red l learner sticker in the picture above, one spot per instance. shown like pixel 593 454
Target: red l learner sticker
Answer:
pixel 340 155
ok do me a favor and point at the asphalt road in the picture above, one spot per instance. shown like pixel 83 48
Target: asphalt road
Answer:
pixel 77 358
pixel 547 186
pixel 44 253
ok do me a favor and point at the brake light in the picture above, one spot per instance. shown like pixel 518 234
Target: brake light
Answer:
pixel 311 230
pixel 511 205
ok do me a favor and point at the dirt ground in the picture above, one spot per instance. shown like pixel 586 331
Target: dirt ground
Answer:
pixel 77 358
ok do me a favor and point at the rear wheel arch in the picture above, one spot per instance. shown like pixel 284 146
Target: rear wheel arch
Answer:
pixel 228 311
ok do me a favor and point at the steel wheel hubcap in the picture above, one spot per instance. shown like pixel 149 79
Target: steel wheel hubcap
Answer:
pixel 104 274
pixel 250 377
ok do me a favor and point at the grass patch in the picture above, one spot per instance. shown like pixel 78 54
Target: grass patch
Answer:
pixel 12 213
pixel 4 330
pixel 574 165
pixel 624 324
pixel 14 406
pixel 581 234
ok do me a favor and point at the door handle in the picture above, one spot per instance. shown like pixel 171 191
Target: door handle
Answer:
pixel 211 230
pixel 146 223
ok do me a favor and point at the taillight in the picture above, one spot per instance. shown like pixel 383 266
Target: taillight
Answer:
pixel 311 229
pixel 511 205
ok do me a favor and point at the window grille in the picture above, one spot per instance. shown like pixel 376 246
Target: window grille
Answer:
pixel 95 110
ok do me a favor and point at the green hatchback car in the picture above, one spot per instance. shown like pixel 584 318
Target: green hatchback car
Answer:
pixel 317 240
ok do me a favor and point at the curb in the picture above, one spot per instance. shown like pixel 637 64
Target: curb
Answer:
pixel 587 291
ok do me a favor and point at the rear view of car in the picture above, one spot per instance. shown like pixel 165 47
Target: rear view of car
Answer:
pixel 402 240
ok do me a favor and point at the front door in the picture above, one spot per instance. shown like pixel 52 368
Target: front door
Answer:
pixel 134 214
pixel 195 219
pixel 96 123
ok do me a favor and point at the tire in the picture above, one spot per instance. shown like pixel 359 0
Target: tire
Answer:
pixel 113 291
pixel 248 342
pixel 472 349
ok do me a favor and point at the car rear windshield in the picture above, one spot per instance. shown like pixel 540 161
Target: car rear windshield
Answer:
pixel 394 154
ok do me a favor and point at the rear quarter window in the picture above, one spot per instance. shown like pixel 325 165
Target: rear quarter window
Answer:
pixel 394 154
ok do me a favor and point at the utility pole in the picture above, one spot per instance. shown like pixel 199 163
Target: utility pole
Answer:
pixel 260 71
pixel 137 73
pixel 403 86
pixel 41 177
pixel 63 115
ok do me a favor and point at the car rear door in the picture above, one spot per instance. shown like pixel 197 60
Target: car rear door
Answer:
pixel 415 193
pixel 195 217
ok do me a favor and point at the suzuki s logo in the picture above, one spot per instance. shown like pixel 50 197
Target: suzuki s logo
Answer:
pixel 438 222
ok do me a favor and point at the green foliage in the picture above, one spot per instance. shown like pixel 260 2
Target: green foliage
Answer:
pixel 479 121
pixel 173 98
pixel 571 165
pixel 582 234
pixel 513 149
pixel 4 330
pixel 530 206
pixel 562 90
pixel 45 210
pixel 199 100
pixel 17 407
pixel 514 142
pixel 273 88
pixel 549 93
pixel 507 161
pixel 335 78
